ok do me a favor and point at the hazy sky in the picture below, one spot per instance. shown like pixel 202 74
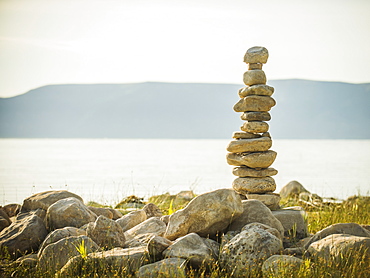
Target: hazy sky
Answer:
pixel 120 41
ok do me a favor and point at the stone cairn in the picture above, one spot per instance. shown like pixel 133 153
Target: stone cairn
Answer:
pixel 250 149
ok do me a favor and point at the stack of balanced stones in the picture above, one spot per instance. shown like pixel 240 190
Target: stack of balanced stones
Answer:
pixel 250 149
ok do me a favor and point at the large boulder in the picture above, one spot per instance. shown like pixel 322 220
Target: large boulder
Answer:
pixel 292 189
pixel 132 219
pixel 207 214
pixel 244 254
pixel 153 225
pixel 106 232
pixel 293 221
pixel 171 267
pixel 196 250
pixel 45 199
pixel 68 212
pixel 255 211
pixel 55 255
pixel 339 228
pixel 23 236
pixel 281 266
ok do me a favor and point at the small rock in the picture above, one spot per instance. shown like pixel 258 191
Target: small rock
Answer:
pixel 292 189
pixel 255 116
pixel 156 246
pixel 12 209
pixel 132 219
pixel 4 220
pixel 254 185
pixel 101 211
pixel 255 127
pixel 116 213
pixel 152 225
pixel 254 103
pixel 254 77
pixel 256 54
pixel 260 90
pixel 252 160
pixel 244 171
pixel 270 200
pixel 250 145
pixel 293 222
pixel 281 266
pixel 172 267
pixel 152 210
pixel 245 135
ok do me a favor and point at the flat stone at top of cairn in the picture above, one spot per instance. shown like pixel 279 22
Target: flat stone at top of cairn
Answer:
pixel 250 150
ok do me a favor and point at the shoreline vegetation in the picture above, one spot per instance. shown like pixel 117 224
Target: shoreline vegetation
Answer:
pixel 318 215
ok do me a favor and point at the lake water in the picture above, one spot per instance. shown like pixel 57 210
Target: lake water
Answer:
pixel 107 170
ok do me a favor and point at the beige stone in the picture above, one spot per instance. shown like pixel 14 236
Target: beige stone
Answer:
pixel 256 116
pixel 254 185
pixel 254 103
pixel 255 127
pixel 278 264
pixel 249 145
pixel 250 172
pixel 256 54
pixel 252 160
pixel 245 135
pixel 261 90
pixel 270 200
pixel 292 189
pixel 266 134
pixel 254 77
pixel 255 66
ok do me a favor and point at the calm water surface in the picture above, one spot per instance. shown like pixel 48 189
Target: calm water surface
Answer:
pixel 107 170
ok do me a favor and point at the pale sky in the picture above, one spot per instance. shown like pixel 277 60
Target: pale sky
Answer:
pixel 120 41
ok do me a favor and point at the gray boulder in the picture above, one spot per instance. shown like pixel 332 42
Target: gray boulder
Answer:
pixel 68 212
pixel 171 267
pixel 207 214
pixel 132 219
pixel 281 266
pixel 292 189
pixel 23 236
pixel 293 221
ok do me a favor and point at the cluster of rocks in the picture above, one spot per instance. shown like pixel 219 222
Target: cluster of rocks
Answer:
pixel 250 151
pixel 55 234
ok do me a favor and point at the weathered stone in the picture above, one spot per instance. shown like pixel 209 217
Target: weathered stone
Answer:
pixel 256 225
pixel 266 134
pixel 106 233
pixel 255 211
pixel 339 228
pixel 12 209
pixel 292 189
pixel 192 248
pixel 293 222
pixel 139 240
pixel 254 66
pixel 165 219
pixel 256 116
pixel 260 90
pixel 250 145
pixel 156 246
pixel 55 255
pixel 281 266
pixel 245 135
pixel 39 212
pixel 152 225
pixel 252 160
pixel 254 77
pixel 244 171
pixel 172 267
pixel 45 199
pixel 68 212
pixel 23 236
pixel 59 234
pixel 270 200
pixel 207 214
pixel 152 210
pixel 244 254
pixel 255 127
pixel 4 220
pixel 340 246
pixel 255 104
pixel 132 219
pixel 256 54
pixel 254 185
pixel 101 211
pixel 27 262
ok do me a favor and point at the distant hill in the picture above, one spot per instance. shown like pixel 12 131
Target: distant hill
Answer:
pixel 305 110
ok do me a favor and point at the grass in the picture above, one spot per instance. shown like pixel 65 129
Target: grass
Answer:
pixel 355 209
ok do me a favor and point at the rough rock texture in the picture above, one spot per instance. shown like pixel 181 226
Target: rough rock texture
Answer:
pixel 193 248
pixel 255 127
pixel 45 199
pixel 101 211
pixel 245 135
pixel 270 200
pixel 256 211
pixel 249 145
pixel 254 185
pixel 244 254
pixel 255 116
pixel 250 172
pixel 172 267
pixel 278 265
pixel 207 214
pixel 116 213
pixel 39 212
pixel 156 246
pixel 132 219
pixel 261 90
pixel 292 189
pixel 12 209
pixel 252 160
pixel 255 225
pixel 23 236
pixel 254 103
pixel 254 66
pixel 4 219
pixel 55 255
pixel 59 234
pixel 256 54
pixel 340 228
pixel 106 233
pixel 152 210
pixel 153 225
pixel 339 246
pixel 293 222
pixel 68 212
pixel 254 77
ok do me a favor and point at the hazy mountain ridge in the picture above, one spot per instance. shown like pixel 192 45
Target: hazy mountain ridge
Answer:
pixel 305 109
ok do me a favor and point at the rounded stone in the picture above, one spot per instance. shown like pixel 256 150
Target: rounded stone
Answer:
pixel 254 103
pixel 250 145
pixel 270 200
pixel 254 185
pixel 255 127
pixel 250 172
pixel 254 77
pixel 256 116
pixel 254 66
pixel 252 160
pixel 245 135
pixel 261 90
pixel 256 54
